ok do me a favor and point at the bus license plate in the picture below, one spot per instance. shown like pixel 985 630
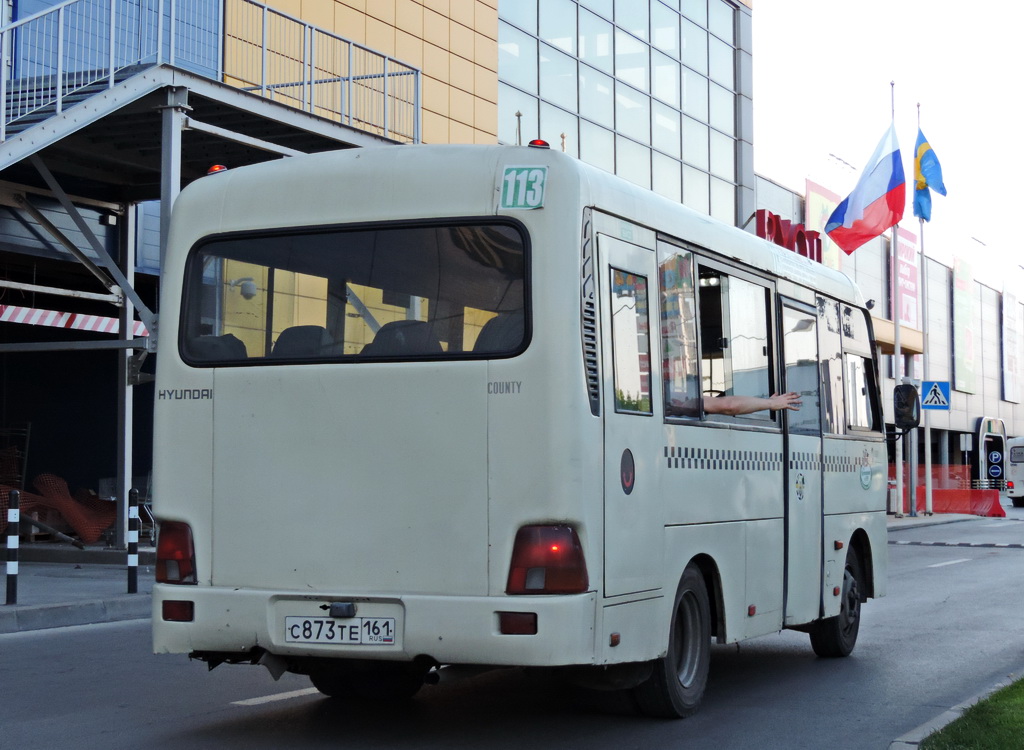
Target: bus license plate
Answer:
pixel 354 631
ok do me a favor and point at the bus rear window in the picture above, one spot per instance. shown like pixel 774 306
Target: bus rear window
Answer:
pixel 388 292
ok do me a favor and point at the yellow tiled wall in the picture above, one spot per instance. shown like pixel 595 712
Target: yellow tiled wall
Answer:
pixel 454 43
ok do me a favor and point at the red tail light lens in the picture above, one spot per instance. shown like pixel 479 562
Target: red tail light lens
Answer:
pixel 175 554
pixel 547 560
pixel 1009 485
pixel 178 611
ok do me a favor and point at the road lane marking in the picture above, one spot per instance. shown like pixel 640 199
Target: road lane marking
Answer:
pixel 277 697
pixel 973 545
pixel 950 562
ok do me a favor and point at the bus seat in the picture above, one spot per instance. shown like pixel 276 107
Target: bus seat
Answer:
pixel 403 337
pixel 502 333
pixel 300 342
pixel 217 348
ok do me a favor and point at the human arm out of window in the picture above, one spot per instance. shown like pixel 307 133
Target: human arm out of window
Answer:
pixel 735 405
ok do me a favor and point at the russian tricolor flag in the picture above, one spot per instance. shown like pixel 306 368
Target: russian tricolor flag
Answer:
pixel 876 203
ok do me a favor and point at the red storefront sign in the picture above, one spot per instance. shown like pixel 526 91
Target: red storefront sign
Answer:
pixel 782 232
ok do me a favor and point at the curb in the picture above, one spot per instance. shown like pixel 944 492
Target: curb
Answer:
pixel 934 520
pixel 46 616
pixel 915 736
pixel 61 554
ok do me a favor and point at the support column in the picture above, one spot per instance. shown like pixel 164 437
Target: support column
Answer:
pixel 128 237
pixel 173 122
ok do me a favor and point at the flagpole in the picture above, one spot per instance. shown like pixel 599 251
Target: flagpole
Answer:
pixel 897 353
pixel 924 330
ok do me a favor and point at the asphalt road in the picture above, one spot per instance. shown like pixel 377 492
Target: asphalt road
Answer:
pixel 950 628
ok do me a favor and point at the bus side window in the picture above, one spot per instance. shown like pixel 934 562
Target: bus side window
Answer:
pixel 830 352
pixel 678 317
pixel 734 340
pixel 630 343
pixel 859 389
pixel 862 412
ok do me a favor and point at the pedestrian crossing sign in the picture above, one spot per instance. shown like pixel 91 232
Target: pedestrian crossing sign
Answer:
pixel 935 394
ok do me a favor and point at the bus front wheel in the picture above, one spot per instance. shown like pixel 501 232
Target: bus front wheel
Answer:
pixel 836 636
pixel 676 687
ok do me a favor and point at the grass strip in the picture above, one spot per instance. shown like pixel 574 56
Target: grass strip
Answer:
pixel 996 723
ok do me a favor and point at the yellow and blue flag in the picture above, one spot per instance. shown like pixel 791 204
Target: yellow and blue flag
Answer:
pixel 927 177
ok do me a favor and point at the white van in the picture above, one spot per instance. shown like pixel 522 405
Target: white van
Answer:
pixel 425 406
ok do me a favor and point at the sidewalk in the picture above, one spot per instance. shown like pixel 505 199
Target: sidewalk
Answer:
pixel 59 585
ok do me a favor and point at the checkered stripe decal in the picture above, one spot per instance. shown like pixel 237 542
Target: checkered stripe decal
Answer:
pixel 841 464
pixel 805 462
pixel 719 459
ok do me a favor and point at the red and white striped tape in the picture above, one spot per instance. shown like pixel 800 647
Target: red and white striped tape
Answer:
pixel 53 319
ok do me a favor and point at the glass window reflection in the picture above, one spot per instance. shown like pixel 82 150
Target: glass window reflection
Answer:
pixel 665 129
pixel 558 77
pixel 667 177
pixel 631 15
pixel 665 79
pixel 597 96
pixel 558 24
pixel 722 63
pixel 596 41
pixel 633 161
pixel 694 46
pixel 632 113
pixel 597 146
pixel 665 29
pixel 632 63
pixel 517 58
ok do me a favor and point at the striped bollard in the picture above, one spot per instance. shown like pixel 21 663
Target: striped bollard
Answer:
pixel 13 530
pixel 133 542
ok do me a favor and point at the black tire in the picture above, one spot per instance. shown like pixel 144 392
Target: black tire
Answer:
pixel 837 636
pixel 1018 502
pixel 676 686
pixel 368 680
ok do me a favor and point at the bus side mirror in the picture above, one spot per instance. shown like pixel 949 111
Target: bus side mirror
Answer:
pixel 906 407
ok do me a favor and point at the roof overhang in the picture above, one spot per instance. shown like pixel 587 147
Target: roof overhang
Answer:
pixel 108 148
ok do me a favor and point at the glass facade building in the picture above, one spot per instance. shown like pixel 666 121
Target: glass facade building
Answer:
pixel 656 92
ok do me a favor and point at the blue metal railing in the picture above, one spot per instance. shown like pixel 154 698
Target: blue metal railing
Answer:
pixel 54 58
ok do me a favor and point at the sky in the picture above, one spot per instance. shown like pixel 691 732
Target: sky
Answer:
pixel 823 100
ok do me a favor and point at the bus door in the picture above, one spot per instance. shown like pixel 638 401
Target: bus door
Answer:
pixel 803 466
pixel 633 526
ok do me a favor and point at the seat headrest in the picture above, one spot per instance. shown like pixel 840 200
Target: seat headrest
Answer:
pixel 403 337
pixel 302 341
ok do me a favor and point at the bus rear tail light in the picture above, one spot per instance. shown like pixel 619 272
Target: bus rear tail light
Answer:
pixel 517 623
pixel 178 610
pixel 547 560
pixel 1009 486
pixel 175 554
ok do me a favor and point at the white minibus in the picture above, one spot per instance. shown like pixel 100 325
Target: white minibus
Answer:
pixel 423 407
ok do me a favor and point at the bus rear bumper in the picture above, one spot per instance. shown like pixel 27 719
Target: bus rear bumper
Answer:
pixel 446 629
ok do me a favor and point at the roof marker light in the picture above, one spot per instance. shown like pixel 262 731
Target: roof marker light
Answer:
pixel 538 143
pixel 216 168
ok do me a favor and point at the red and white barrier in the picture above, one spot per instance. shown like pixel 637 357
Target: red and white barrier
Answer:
pixel 53 319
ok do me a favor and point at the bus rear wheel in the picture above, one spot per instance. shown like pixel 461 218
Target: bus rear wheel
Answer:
pixel 836 636
pixel 676 687
pixel 367 680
